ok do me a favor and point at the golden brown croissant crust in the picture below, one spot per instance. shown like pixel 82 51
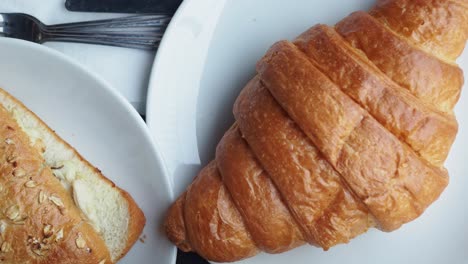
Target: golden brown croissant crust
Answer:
pixel 344 129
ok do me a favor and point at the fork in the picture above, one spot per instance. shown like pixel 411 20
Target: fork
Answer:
pixel 139 31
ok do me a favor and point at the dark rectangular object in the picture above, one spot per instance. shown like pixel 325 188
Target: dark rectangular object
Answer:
pixel 189 258
pixel 124 6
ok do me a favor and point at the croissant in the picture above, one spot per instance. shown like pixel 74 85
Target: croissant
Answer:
pixel 347 128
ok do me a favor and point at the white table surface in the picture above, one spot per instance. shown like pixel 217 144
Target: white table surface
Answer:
pixel 127 70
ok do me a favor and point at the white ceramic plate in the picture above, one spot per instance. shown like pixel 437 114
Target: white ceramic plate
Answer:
pixel 129 78
pixel 207 56
pixel 100 124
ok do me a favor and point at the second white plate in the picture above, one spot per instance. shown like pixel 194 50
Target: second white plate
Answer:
pixel 209 53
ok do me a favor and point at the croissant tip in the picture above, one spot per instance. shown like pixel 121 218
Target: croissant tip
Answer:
pixel 174 226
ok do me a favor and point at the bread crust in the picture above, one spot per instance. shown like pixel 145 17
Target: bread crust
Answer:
pixel 216 229
pixel 136 216
pixel 426 130
pixel 24 232
pixel 309 185
pixel 427 24
pixel 267 219
pixel 427 77
pixel 369 158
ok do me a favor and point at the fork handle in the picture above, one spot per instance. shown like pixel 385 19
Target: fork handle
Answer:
pixel 137 22
pixel 142 31
pixel 129 42
pixel 143 45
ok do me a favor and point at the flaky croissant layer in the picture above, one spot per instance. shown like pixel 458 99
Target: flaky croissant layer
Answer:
pixel 344 129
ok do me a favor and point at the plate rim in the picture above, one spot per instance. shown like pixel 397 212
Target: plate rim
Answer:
pixel 171 27
pixel 142 126
pixel 163 45
pixel 158 63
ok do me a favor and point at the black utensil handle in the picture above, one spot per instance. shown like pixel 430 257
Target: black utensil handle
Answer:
pixel 124 6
